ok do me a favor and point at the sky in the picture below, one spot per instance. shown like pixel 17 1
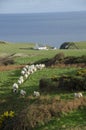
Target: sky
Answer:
pixel 38 6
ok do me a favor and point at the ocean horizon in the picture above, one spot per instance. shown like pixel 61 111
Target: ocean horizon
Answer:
pixel 44 28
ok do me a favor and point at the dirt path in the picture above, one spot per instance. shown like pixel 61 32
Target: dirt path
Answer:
pixel 10 67
pixel 14 67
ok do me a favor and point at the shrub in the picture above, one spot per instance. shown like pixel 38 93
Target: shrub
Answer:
pixel 40 112
pixel 63 83
pixel 5 119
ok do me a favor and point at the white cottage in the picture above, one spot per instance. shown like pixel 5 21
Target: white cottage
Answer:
pixel 38 47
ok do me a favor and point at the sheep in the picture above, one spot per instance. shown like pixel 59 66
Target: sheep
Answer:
pixel 15 87
pixel 37 66
pixel 28 73
pixel 27 67
pixel 21 77
pixel 78 95
pixel 37 94
pixel 24 69
pixel 26 76
pixel 15 90
pixel 34 69
pixel 30 70
pixel 22 92
pixel 23 72
pixel 43 65
pixel 20 81
pixel 40 66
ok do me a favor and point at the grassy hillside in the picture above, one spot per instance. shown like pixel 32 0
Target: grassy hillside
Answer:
pixel 23 54
pixel 81 45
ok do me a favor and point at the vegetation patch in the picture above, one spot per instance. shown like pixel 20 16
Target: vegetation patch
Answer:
pixel 43 110
pixel 7 60
pixel 71 83
pixel 60 58
pixel 3 42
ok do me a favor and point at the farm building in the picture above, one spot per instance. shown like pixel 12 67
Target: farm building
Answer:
pixel 40 47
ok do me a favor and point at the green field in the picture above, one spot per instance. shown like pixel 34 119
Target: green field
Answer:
pixel 81 45
pixel 24 54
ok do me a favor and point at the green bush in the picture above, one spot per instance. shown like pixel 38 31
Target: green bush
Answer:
pixel 63 83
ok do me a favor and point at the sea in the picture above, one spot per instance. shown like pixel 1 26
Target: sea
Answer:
pixel 43 28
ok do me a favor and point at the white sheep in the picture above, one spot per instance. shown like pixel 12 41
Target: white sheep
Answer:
pixel 15 90
pixel 28 73
pixel 30 70
pixel 37 94
pixel 15 86
pixel 78 95
pixel 23 72
pixel 21 77
pixel 26 76
pixel 23 92
pixel 24 69
pixel 43 65
pixel 37 66
pixel 20 81
pixel 27 66
pixel 34 69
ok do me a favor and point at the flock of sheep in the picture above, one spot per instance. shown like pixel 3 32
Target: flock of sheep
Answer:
pixel 25 73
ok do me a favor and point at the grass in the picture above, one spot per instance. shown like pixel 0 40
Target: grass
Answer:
pixel 68 121
pixel 7 78
pixel 10 101
pixel 81 45
pixel 30 55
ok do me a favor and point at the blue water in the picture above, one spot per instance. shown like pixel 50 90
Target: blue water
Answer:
pixel 44 28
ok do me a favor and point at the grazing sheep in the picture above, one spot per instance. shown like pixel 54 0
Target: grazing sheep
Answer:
pixel 15 90
pixel 78 95
pixel 21 77
pixel 26 76
pixel 27 66
pixel 40 66
pixel 23 72
pixel 15 86
pixel 35 69
pixel 22 92
pixel 30 70
pixel 20 81
pixel 43 65
pixel 37 94
pixel 28 73
pixel 24 69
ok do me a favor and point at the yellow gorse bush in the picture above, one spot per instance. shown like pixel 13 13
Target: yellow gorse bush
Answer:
pixel 81 72
pixel 6 115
